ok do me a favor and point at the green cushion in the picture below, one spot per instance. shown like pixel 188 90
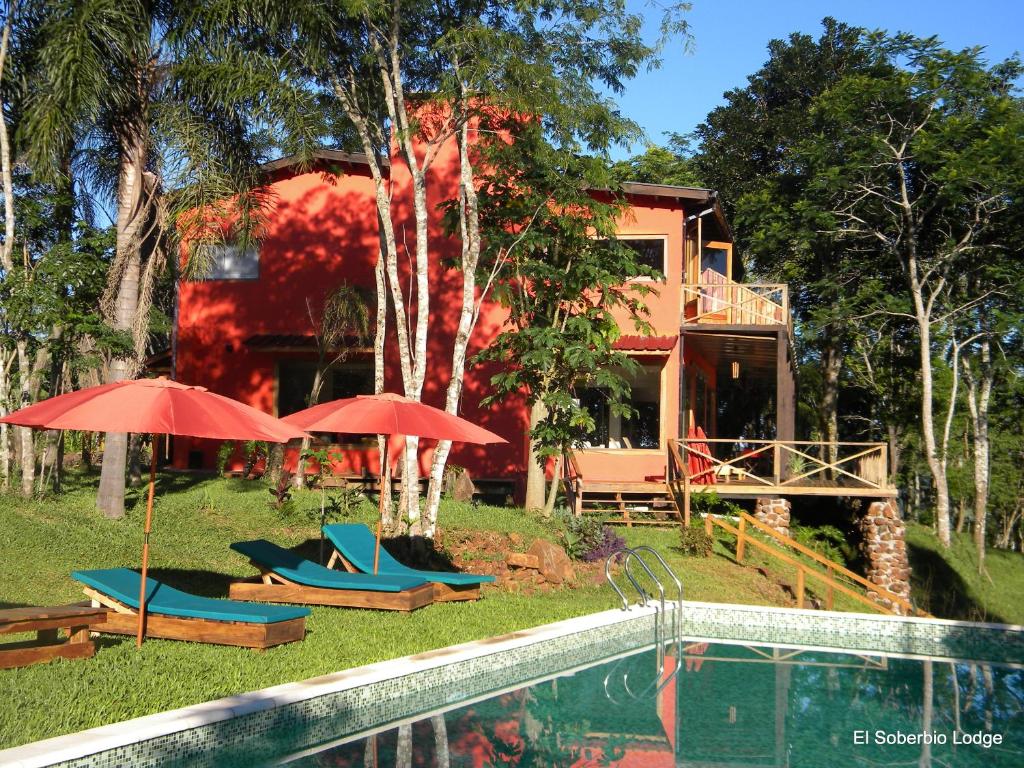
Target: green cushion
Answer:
pixel 291 566
pixel 123 585
pixel 356 543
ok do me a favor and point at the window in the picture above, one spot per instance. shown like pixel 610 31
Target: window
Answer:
pixel 715 259
pixel 640 430
pixel 295 382
pixel 231 262
pixel 649 251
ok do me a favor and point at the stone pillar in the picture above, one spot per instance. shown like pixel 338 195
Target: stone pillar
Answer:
pixel 885 547
pixel 774 513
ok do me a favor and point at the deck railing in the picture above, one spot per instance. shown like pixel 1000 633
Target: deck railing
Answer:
pixel 728 303
pixel 777 465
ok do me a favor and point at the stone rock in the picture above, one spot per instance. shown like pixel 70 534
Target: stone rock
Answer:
pixel 555 565
pixel 515 539
pixel 459 485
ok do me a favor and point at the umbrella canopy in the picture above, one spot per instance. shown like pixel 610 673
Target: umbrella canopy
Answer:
pixel 389 414
pixel 159 406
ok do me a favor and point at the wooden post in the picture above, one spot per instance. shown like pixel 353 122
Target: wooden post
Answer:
pixel 799 587
pixel 830 594
pixel 145 545
pixel 740 542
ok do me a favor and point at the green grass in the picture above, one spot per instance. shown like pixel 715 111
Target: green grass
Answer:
pixel 948 584
pixel 41 542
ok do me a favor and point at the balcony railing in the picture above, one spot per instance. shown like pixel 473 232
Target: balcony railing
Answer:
pixel 776 466
pixel 728 303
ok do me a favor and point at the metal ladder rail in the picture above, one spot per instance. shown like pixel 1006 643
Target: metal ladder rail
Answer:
pixel 632 553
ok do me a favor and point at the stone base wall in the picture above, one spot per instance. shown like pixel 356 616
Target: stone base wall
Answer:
pixel 774 513
pixel 885 548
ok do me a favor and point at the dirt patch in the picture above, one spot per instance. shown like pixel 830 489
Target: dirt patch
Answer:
pixel 484 552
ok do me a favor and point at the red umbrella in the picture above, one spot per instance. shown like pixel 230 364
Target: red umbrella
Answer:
pixel 159 406
pixel 389 414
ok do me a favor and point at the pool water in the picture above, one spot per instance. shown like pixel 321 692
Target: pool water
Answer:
pixel 728 705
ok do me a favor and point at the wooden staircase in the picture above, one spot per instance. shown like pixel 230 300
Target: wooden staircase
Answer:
pixel 622 502
pixel 827 576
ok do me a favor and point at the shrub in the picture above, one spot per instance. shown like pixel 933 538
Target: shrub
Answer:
pixel 694 541
pixel 826 540
pixel 611 542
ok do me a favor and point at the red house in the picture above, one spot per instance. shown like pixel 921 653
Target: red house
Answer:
pixel 245 332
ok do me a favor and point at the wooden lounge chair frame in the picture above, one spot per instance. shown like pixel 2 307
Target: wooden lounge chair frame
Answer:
pixel 75 620
pixel 443 593
pixel 270 587
pixel 123 620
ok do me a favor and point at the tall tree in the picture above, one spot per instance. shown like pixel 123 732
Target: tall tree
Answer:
pixel 170 113
pixel 922 165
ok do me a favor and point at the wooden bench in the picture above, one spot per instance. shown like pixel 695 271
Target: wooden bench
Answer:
pixel 75 620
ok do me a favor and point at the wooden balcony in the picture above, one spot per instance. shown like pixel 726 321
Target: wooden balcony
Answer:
pixel 749 468
pixel 743 304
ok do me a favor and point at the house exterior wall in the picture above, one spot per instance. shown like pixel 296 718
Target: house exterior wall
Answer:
pixel 323 232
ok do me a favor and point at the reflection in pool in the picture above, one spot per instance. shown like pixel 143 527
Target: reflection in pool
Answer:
pixel 729 705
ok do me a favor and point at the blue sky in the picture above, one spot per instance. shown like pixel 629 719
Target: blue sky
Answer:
pixel 731 38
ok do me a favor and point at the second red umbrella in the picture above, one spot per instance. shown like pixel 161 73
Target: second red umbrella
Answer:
pixel 389 414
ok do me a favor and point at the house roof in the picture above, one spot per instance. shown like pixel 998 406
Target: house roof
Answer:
pixel 646 343
pixel 322 155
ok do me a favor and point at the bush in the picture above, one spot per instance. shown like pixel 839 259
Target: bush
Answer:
pixel 709 502
pixel 694 541
pixel 826 540
pixel 587 539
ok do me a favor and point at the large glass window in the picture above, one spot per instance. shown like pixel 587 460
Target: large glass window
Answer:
pixel 295 382
pixel 715 259
pixel 640 430
pixel 648 251
pixel 232 262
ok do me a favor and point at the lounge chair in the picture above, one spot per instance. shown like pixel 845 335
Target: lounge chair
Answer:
pixel 353 548
pixel 285 577
pixel 177 615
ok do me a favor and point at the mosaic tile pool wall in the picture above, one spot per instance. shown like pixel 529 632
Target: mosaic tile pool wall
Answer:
pixel 435 679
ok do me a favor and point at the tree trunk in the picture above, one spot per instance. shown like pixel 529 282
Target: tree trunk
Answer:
pixel 469 226
pixel 441 756
pixel 895 451
pixel 6 360
pixel 130 217
pixel 535 481
pixel 927 711
pixel 403 749
pixel 831 366
pixel 556 480
pixel 314 399
pixel 936 462
pixel 979 392
pixel 27 443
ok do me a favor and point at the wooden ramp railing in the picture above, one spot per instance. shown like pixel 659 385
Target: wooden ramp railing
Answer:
pixel 834 578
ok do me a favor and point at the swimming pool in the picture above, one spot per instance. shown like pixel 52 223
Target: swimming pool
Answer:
pixel 781 686
pixel 729 705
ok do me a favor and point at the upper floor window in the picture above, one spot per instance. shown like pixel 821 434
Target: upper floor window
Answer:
pixel 650 251
pixel 231 261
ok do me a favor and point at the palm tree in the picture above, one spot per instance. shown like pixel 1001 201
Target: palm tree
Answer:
pixel 170 106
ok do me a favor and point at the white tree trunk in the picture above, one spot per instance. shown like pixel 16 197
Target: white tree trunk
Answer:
pixel 6 359
pixel 441 756
pixel 979 392
pixel 936 462
pixel 7 248
pixel 535 481
pixel 469 226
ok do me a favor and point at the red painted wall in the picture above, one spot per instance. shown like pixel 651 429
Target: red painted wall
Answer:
pixel 322 232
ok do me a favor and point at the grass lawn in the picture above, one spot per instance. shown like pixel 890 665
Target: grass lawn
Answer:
pixel 948 583
pixel 41 542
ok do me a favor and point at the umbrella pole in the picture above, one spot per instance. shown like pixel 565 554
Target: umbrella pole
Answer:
pixel 380 518
pixel 145 544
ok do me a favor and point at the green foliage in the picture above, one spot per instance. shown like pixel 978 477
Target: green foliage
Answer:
pixel 826 540
pixel 562 281
pixel 694 541
pixel 587 538
pixel 710 503
pixel 224 452
pixel 660 165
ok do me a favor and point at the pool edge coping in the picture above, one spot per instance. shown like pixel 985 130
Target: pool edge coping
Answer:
pixel 101 739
